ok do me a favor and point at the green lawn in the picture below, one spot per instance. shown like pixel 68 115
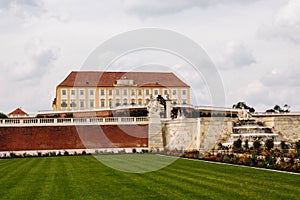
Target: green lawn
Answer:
pixel 84 177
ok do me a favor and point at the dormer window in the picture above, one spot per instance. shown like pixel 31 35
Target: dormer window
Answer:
pixel 125 82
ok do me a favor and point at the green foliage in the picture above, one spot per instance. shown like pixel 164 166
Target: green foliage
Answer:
pixel 283 145
pixel 278 109
pixel 256 144
pixel 237 145
pixel 297 145
pixel 138 113
pixel 269 144
pixel 241 105
pixel 246 145
pixel 69 115
pixel 3 116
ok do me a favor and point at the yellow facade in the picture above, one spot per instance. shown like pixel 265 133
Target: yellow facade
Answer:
pixel 85 98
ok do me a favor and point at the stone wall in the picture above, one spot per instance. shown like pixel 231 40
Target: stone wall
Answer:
pixel 214 131
pixel 73 137
pixel 287 127
pixel 181 134
pixel 189 134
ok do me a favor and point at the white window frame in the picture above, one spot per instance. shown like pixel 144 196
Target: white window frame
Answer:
pixel 92 104
pixel 63 92
pixel 92 93
pixel 102 92
pixel 117 92
pixel 147 92
pixel 132 92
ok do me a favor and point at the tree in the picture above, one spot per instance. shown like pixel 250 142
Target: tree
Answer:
pixel 283 145
pixel 269 144
pixel 270 110
pixel 237 145
pixel 246 145
pixel 3 116
pixel 286 108
pixel 297 145
pixel 256 144
pixel 241 105
pixel 278 109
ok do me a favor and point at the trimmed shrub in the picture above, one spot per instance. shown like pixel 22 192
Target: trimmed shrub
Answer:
pixel 269 144
pixel 256 144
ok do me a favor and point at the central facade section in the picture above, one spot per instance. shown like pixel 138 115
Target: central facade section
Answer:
pixel 87 90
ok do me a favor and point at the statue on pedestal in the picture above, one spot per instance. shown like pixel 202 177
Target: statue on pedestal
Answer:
pixel 244 115
pixel 153 107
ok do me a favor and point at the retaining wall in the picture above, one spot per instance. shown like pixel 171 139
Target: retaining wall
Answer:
pixel 73 137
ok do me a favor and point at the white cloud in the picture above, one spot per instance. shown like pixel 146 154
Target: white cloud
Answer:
pixel 283 77
pixel 38 57
pixel 285 24
pixel 145 8
pixel 23 8
pixel 235 55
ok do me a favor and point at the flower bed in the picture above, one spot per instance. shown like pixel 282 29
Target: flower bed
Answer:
pixel 271 159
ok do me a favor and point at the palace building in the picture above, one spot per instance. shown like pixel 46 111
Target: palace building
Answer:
pixel 85 90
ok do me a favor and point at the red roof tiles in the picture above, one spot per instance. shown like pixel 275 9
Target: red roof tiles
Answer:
pixel 18 111
pixel 108 79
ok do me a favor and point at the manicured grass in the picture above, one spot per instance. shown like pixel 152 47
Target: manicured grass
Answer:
pixel 84 177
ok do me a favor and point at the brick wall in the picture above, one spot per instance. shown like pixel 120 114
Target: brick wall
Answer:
pixel 73 137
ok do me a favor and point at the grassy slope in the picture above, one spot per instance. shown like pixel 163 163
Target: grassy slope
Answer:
pixel 84 177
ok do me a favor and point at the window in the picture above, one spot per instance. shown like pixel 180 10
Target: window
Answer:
pixel 132 102
pixel 132 92
pixel 102 92
pixel 91 104
pixel 117 92
pixel 155 92
pixel 110 103
pixel 165 92
pixel 183 92
pixel 64 104
pixel 125 92
pixel 81 104
pixel 81 92
pixel 140 102
pixel 147 101
pixel 140 92
pixel 118 102
pixel 92 92
pixel 73 92
pixel 63 92
pixel 174 92
pixel 109 92
pixel 102 103
pixel 73 104
pixel 147 92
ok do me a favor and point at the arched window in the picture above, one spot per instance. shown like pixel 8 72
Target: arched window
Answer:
pixel 64 104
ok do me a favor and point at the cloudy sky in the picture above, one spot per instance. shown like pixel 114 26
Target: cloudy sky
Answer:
pixel 254 44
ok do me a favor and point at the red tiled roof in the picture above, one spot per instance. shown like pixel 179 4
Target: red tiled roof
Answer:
pixel 18 111
pixel 108 79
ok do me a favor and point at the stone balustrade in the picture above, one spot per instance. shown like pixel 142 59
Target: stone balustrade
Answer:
pixel 72 121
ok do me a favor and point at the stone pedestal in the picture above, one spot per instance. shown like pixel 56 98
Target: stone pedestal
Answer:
pixel 155 141
pixel 168 109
